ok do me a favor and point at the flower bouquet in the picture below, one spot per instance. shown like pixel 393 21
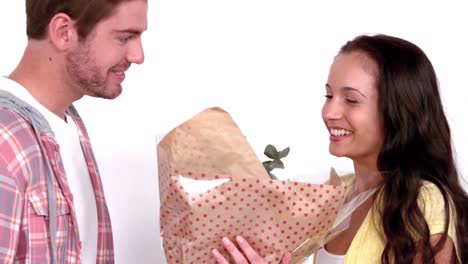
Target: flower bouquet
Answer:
pixel 213 185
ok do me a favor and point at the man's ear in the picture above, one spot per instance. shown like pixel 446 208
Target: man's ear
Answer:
pixel 62 32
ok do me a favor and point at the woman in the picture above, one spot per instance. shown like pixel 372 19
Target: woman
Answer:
pixel 384 111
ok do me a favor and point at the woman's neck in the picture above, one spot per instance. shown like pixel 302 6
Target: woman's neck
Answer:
pixel 367 176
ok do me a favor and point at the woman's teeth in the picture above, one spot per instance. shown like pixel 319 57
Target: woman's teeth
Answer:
pixel 339 132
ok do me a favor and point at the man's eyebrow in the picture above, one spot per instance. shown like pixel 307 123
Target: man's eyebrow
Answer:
pixel 129 31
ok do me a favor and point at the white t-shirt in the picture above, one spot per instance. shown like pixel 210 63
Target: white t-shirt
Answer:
pixel 76 170
pixel 325 257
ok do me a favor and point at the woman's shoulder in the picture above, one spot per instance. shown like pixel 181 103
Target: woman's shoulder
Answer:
pixel 433 206
pixel 430 196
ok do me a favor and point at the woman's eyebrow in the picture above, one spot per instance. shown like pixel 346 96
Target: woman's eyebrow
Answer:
pixel 347 88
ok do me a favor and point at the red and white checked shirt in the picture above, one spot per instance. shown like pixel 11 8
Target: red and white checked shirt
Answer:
pixel 24 226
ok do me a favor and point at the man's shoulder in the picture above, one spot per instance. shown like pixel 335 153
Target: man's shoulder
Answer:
pixel 19 147
pixel 15 132
pixel 10 119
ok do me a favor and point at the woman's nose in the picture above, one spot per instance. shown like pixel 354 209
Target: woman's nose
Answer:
pixel 332 110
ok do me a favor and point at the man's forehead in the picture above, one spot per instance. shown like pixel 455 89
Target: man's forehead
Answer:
pixel 130 16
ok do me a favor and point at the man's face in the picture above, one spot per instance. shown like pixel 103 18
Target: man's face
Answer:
pixel 96 67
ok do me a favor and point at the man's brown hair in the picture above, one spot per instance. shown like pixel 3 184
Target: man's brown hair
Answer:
pixel 86 14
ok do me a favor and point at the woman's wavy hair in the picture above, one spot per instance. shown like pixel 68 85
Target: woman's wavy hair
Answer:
pixel 417 147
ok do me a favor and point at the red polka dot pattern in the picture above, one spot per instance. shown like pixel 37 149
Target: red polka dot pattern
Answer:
pixel 274 216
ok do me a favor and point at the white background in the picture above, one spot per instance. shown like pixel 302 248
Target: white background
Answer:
pixel 266 63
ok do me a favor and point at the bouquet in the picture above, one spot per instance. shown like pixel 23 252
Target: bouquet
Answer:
pixel 213 185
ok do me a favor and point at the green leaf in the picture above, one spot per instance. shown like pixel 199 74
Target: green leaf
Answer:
pixel 271 152
pixel 277 164
pixel 283 153
pixel 267 165
pixel 272 176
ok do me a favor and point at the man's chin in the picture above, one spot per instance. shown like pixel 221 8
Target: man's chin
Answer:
pixel 108 93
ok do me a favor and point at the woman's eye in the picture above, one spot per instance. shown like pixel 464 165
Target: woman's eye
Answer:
pixel 328 96
pixel 352 101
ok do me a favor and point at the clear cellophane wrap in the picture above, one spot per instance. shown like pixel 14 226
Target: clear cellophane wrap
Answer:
pixel 213 185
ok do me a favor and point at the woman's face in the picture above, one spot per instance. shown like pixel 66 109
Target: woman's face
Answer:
pixel 350 111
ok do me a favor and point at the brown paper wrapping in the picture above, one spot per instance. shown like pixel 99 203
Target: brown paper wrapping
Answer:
pixel 274 216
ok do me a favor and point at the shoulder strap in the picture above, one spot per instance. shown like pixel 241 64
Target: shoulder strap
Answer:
pixel 29 113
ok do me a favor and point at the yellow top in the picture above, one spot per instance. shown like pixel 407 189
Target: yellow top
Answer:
pixel 367 246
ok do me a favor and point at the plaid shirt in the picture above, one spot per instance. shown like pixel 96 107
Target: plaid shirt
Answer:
pixel 24 228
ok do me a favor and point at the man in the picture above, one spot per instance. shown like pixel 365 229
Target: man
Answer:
pixel 52 201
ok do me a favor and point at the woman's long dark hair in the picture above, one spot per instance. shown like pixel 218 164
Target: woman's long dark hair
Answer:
pixel 417 147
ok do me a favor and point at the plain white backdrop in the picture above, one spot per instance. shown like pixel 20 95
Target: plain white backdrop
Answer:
pixel 265 62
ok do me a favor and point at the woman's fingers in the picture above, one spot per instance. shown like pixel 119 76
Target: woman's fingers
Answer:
pixel 235 253
pixel 249 252
pixel 286 258
pixel 219 258
pixel 245 255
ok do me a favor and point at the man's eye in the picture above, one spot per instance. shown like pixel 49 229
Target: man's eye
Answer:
pixel 125 39
pixel 328 96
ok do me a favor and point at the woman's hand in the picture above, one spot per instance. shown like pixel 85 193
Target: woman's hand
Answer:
pixel 248 254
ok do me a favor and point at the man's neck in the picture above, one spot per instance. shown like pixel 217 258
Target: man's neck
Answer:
pixel 42 75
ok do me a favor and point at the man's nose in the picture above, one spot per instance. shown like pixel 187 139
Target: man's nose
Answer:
pixel 135 53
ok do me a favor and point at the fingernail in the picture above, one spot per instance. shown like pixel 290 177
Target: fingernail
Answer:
pixel 226 241
pixel 240 240
pixel 215 252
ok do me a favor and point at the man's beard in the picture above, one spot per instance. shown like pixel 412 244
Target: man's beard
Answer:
pixel 85 75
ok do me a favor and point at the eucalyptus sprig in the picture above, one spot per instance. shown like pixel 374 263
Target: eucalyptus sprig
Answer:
pixel 275 162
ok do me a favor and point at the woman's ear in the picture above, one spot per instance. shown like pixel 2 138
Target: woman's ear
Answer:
pixel 62 31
